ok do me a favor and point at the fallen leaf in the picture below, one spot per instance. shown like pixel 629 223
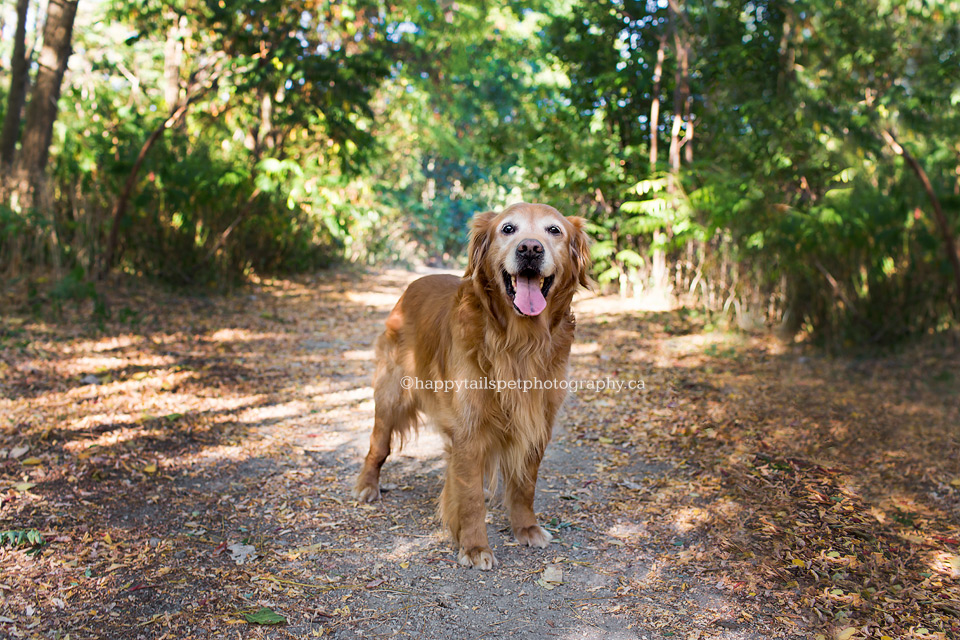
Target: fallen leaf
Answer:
pixel 948 563
pixel 16 452
pixel 264 616
pixel 553 573
pixel 32 461
pixel 150 468
pixel 847 633
pixel 551 577
pixel 242 553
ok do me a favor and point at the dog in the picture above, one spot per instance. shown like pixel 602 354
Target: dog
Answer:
pixel 459 350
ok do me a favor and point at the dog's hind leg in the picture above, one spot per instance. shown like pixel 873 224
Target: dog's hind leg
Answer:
pixel 395 414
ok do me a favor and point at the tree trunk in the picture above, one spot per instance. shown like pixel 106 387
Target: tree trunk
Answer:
pixel 687 143
pixel 658 267
pixel 678 23
pixel 787 55
pixel 949 241
pixel 266 122
pixel 680 92
pixel 19 78
pixel 42 110
pixel 172 62
pixel 655 105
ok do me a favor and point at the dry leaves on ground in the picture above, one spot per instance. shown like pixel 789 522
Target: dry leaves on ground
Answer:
pixel 184 470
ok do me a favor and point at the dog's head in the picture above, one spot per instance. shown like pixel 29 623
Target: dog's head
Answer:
pixel 531 253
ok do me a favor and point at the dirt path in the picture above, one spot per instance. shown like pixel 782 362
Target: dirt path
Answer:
pixel 189 467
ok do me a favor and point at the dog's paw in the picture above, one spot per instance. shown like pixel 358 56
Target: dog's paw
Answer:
pixel 478 558
pixel 366 492
pixel 534 536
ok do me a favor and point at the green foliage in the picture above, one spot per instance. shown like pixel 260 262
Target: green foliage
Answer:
pixel 794 203
pixel 17 538
pixel 352 131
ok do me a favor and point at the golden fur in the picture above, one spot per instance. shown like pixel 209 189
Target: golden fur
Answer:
pixel 446 328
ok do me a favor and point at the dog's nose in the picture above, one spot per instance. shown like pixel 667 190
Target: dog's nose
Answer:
pixel 529 249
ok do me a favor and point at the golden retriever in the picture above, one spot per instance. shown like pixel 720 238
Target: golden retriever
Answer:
pixel 459 351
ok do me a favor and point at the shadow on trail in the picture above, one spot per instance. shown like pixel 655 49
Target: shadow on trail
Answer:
pixel 241 425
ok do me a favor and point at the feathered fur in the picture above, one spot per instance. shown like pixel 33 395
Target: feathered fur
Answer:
pixel 445 328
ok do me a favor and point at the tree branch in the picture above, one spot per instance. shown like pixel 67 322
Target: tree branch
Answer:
pixel 949 240
pixel 120 207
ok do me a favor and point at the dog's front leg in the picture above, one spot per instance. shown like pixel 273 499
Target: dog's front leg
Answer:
pixel 521 485
pixel 463 507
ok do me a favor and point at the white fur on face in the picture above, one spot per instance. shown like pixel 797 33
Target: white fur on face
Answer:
pixel 531 223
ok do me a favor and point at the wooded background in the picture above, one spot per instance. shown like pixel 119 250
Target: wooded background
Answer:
pixel 791 163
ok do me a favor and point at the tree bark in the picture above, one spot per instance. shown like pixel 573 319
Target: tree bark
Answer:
pixel 42 110
pixel 19 78
pixel 655 104
pixel 678 25
pixel 680 92
pixel 172 63
pixel 658 268
pixel 787 55
pixel 949 240
pixel 266 121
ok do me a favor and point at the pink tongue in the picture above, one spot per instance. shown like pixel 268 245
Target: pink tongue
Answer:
pixel 529 299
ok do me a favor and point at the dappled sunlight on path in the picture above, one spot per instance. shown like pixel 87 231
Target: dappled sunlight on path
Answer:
pixel 193 464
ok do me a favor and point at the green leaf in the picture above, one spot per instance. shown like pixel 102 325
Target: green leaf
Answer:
pixel 649 207
pixel 630 258
pixel 646 186
pixel 264 616
pixel 609 275
pixel 602 250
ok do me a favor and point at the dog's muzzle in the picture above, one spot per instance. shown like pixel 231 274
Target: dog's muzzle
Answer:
pixel 528 288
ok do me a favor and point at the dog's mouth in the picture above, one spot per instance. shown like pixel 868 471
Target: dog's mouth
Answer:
pixel 528 290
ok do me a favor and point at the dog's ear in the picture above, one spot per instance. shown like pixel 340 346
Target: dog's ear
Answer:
pixel 580 251
pixel 479 242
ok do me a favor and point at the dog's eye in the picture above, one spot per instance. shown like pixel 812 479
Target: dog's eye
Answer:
pixel 553 230
pixel 507 229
